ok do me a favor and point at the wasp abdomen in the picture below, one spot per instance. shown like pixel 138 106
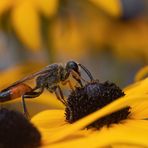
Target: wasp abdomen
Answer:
pixel 5 96
pixel 14 92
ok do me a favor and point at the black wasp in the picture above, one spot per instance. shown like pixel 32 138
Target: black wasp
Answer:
pixel 47 78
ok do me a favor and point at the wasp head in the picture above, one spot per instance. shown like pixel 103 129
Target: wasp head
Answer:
pixel 72 66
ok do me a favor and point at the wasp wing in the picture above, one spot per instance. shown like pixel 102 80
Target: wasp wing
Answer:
pixel 45 71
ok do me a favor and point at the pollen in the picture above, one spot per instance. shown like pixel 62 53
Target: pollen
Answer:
pixel 16 131
pixel 92 97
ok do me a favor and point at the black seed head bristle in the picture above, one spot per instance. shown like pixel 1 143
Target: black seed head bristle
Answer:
pixel 16 131
pixel 92 97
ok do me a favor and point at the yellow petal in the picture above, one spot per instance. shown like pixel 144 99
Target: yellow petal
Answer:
pixel 49 119
pixel 5 5
pixel 47 7
pixel 131 87
pixel 35 105
pixel 119 134
pixel 113 7
pixel 112 107
pixel 139 110
pixel 46 134
pixel 126 145
pixel 26 24
pixel 141 73
pixel 48 122
pixel 137 88
pixel 142 124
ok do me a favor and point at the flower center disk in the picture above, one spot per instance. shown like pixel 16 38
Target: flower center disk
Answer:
pixel 92 97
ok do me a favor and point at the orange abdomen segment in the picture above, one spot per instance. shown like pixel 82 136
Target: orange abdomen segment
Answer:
pixel 14 92
pixel 19 90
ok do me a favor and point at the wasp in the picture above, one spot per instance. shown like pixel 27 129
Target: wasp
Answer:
pixel 47 78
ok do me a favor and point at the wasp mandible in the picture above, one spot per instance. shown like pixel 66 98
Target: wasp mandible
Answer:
pixel 47 78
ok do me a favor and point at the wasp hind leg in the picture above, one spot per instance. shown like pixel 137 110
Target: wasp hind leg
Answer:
pixel 29 95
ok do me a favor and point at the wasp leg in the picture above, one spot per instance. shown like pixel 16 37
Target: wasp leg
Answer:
pixel 69 83
pixel 61 96
pixel 77 77
pixel 29 95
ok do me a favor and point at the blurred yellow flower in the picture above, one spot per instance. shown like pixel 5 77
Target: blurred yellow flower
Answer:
pixel 113 7
pixel 68 40
pixel 25 18
pixel 93 29
pixel 133 131
pixel 143 72
pixel 82 32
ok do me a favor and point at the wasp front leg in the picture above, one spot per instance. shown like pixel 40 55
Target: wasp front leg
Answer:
pixel 77 77
pixel 69 83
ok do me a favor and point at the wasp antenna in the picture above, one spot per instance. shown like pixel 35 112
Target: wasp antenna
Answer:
pixel 87 71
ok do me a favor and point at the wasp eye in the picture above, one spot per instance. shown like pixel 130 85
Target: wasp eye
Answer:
pixel 72 65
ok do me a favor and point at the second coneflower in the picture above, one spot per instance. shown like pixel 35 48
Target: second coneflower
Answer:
pixel 112 118
pixel 91 98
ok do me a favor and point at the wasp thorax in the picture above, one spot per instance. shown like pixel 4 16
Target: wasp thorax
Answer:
pixel 93 96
